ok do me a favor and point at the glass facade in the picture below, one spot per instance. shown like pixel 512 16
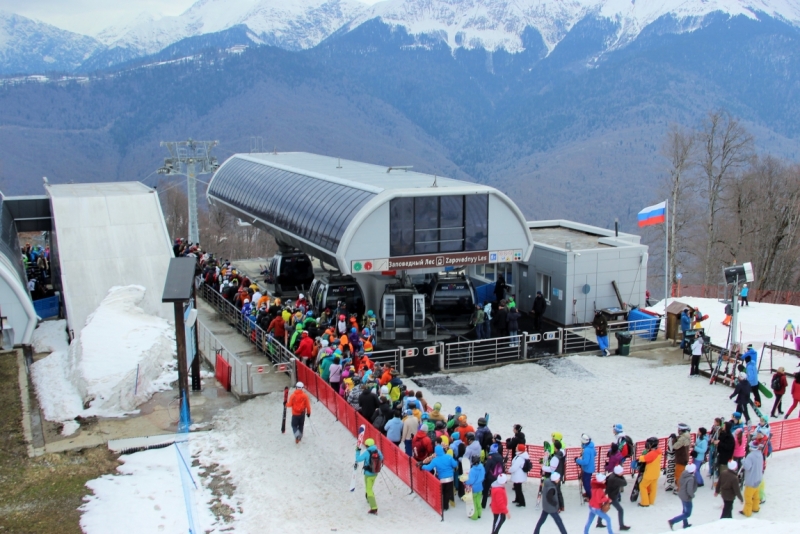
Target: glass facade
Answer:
pixel 314 209
pixel 431 225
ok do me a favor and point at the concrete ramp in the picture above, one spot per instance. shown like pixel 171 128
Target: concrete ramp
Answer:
pixel 105 235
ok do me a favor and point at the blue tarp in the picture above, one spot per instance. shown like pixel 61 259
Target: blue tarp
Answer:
pixel 484 293
pixel 644 324
pixel 46 308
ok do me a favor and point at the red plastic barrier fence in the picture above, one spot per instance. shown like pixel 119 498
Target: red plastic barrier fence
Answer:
pixel 222 372
pixel 422 482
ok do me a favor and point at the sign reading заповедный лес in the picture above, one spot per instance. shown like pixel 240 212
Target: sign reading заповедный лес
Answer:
pixel 426 261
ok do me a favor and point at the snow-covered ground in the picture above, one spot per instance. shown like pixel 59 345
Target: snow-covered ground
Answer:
pixel 283 487
pixel 121 358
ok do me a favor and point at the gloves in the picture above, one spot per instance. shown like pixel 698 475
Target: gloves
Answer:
pixel 308 415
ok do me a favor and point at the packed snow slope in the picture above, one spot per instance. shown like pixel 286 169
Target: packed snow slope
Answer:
pixel 759 323
pixel 123 356
pixel 283 487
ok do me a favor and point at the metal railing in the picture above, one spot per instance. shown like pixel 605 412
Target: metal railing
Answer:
pixel 583 338
pixel 210 346
pixel 485 351
pixel 265 343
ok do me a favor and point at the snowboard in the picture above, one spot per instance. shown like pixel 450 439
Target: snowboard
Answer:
pixel 637 483
pixel 669 483
pixel 285 400
pixel 549 451
pixel 764 390
pixel 467 498
pixel 359 443
pixel 757 410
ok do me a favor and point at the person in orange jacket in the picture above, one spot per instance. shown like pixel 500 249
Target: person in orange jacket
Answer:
pixel 301 407
pixel 649 484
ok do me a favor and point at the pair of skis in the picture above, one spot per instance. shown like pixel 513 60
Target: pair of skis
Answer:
pixel 359 444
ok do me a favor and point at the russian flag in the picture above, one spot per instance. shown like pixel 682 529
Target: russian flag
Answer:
pixel 653 214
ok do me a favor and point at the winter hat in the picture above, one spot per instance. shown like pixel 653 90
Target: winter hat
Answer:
pixel 481 421
pixel 521 447
pixel 384 390
pixel 555 477
pixel 691 468
pixel 618 428
pixel 437 406
pixel 456 435
pixel 458 409
pixel 683 427
pixel 324 343
pixel 369 442
pixel 585 438
pixel 501 480
pixel 742 376
pixel 618 470
pixel 732 465
pixel 601 477
pixel 493 448
pixel 299 385
pixel 409 412
pixel 737 415
pixel 781 370
pixel 425 416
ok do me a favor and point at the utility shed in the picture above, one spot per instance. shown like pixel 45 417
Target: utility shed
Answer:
pixel 16 308
pixel 574 265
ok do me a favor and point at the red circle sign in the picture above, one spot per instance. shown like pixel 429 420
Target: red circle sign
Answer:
pixel 260 369
pixel 368 266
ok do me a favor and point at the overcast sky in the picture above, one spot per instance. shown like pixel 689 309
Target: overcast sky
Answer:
pixel 91 16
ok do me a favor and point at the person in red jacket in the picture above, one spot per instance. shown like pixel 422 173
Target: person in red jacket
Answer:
pixel 599 498
pixel 499 503
pixel 277 327
pixel 780 378
pixel 305 349
pixel 421 446
pixel 795 394
pixel 298 402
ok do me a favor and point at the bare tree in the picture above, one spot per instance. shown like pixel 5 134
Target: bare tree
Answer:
pixel 726 146
pixel 678 150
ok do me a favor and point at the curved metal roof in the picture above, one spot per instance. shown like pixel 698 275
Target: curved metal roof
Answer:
pixel 316 210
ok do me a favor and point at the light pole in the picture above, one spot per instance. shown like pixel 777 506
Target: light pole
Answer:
pixel 190 158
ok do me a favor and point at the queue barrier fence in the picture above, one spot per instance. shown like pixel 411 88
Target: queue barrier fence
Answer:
pixel 423 483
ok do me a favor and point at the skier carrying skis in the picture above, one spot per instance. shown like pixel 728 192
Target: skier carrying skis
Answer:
pixel 301 407
pixel 373 460
pixel 751 363
pixel 586 461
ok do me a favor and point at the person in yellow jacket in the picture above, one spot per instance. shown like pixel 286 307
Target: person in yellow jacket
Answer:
pixel 648 487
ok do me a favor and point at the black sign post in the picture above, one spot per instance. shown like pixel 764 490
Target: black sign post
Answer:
pixel 179 289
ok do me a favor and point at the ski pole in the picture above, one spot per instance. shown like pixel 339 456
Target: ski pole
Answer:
pixel 313 428
pixel 387 484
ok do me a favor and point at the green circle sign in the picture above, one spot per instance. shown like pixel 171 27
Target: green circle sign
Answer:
pixel 357 266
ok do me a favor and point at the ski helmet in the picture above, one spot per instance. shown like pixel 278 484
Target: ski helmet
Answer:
pixel 481 421
pixel 470 436
pixel 475 460
pixel 618 428
pixel 299 385
pixel 652 443
pixel 556 436
pixel 737 415
pixel 369 442
pixel 585 438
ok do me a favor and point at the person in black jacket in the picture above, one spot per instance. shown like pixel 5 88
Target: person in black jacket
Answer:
pixel 614 484
pixel 742 394
pixel 725 446
pixel 512 320
pixel 519 438
pixel 492 461
pixel 539 307
pixel 501 320
pixel 500 288
pixel 368 403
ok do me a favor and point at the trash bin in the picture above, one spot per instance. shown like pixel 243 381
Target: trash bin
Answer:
pixel 623 343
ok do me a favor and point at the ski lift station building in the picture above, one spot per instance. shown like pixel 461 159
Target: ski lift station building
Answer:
pixel 379 224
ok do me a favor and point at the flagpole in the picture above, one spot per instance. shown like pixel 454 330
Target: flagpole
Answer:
pixel 666 256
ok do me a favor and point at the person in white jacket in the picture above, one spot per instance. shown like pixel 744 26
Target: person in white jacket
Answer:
pixel 518 476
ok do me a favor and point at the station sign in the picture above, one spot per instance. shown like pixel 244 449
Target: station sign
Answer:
pixel 427 261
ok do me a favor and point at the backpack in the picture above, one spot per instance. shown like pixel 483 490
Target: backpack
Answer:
pixel 629 445
pixel 776 382
pixel 497 470
pixel 527 466
pixel 378 420
pixel 375 463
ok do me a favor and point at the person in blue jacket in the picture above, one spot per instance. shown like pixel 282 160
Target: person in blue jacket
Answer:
pixel 475 481
pixel 369 476
pixel 686 324
pixel 751 367
pixel 394 428
pixel 743 294
pixel 443 464
pixel 586 462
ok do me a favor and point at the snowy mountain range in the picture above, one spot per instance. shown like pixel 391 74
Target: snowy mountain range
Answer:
pixel 27 46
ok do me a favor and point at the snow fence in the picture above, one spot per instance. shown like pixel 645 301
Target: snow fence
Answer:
pixel 421 482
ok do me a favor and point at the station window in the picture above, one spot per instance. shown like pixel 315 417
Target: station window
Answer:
pixel 544 284
pixel 430 225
